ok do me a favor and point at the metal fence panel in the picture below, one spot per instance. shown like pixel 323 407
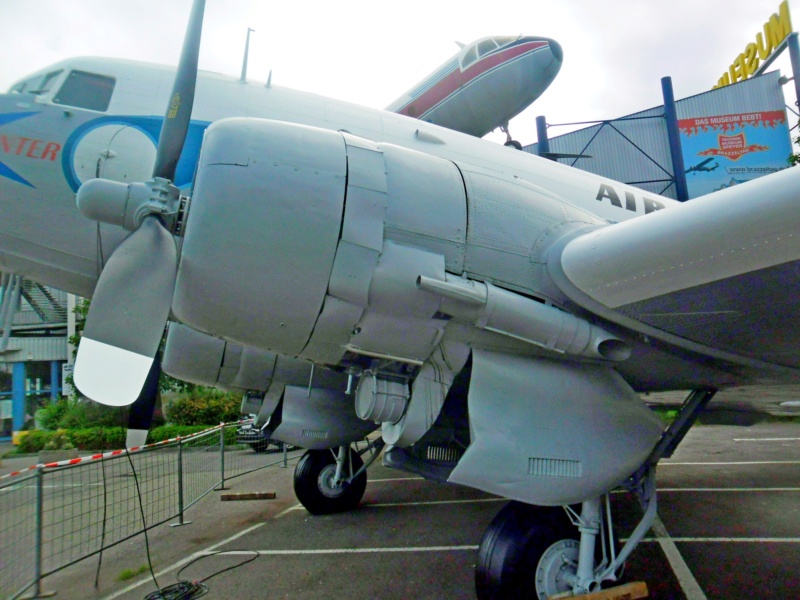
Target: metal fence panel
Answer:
pixel 17 536
pixel 86 507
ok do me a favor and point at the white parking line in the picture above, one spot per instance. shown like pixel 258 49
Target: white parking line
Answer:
pixel 397 479
pixel 732 489
pixel 766 439
pixel 348 551
pixel 421 503
pixel 686 580
pixel 184 561
pixel 726 540
pixel 728 464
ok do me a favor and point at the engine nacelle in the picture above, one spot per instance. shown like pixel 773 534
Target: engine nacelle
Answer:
pixel 197 357
pixel 285 249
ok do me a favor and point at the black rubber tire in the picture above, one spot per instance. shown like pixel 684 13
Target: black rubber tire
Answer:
pixel 512 546
pixel 261 446
pixel 513 144
pixel 308 481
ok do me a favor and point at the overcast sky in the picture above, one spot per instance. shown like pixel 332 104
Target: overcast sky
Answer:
pixel 370 52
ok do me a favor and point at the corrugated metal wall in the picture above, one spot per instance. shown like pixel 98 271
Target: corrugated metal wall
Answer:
pixel 634 149
pixel 36 349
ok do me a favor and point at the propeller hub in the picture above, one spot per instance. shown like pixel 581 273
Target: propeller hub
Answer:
pixel 127 205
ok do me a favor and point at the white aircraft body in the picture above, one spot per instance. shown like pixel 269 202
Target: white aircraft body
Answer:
pixel 492 312
pixel 485 85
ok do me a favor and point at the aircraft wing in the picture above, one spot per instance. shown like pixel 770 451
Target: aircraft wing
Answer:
pixel 719 274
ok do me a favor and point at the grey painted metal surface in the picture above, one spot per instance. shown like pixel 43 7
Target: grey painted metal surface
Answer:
pixel 517 410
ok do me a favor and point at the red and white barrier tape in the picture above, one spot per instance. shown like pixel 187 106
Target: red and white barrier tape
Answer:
pixel 75 461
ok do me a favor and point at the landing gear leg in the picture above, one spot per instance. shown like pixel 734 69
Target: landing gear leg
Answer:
pixel 509 141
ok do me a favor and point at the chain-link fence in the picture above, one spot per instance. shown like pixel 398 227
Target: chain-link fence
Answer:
pixel 53 515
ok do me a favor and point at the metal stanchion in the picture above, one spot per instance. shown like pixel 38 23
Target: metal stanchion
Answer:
pixel 285 456
pixel 181 521
pixel 39 592
pixel 222 457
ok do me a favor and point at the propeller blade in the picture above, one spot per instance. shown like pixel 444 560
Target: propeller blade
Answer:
pixel 179 111
pixel 127 316
pixel 141 412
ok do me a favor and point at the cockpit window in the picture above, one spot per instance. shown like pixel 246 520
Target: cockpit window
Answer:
pixel 36 85
pixel 86 90
pixel 486 46
pixel 470 57
pixel 504 41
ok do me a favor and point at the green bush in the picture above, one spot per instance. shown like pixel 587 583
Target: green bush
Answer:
pixel 59 441
pixel 204 406
pixel 112 438
pixel 73 413
pixel 168 432
pixel 33 441
pixel 82 414
pixel 99 438
pixel 49 416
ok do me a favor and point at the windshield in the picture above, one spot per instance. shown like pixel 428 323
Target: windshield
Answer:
pixel 86 90
pixel 36 85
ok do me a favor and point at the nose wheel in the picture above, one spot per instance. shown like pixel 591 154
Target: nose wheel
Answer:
pixel 330 481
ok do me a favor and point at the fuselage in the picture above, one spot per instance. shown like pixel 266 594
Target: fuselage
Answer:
pixel 486 84
pixel 50 143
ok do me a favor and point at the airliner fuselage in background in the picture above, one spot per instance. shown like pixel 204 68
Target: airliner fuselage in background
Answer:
pixel 485 85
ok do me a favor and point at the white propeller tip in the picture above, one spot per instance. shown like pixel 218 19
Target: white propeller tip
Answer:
pixel 108 374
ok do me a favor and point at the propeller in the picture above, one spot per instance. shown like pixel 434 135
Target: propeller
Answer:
pixel 140 415
pixel 132 299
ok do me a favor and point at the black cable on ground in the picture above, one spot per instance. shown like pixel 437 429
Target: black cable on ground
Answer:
pixel 105 518
pixel 188 590
pixel 144 521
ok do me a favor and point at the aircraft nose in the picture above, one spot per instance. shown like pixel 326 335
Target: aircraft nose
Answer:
pixel 557 51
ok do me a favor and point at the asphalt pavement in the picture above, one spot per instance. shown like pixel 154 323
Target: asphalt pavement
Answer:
pixel 729 508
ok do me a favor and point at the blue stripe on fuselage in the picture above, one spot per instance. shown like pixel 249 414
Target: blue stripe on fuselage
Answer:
pixel 151 127
pixel 5 170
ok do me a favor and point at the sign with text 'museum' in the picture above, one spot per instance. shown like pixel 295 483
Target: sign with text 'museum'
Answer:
pixel 725 150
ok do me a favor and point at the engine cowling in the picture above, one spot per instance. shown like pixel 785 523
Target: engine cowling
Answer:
pixel 285 249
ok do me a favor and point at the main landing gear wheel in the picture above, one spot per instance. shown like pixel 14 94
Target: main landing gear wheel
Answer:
pixel 317 489
pixel 261 446
pixel 527 548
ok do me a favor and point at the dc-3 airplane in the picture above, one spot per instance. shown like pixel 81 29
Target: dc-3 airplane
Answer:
pixel 485 85
pixel 494 313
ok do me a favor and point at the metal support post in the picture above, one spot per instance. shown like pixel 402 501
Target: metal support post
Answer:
pixel 10 303
pixel 180 487
pixel 55 380
pixel 222 457
pixel 794 57
pixel 674 138
pixel 18 396
pixel 285 456
pixel 691 409
pixel 543 146
pixel 39 592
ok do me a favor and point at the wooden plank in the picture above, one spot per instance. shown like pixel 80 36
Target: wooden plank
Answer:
pixel 629 591
pixel 248 496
